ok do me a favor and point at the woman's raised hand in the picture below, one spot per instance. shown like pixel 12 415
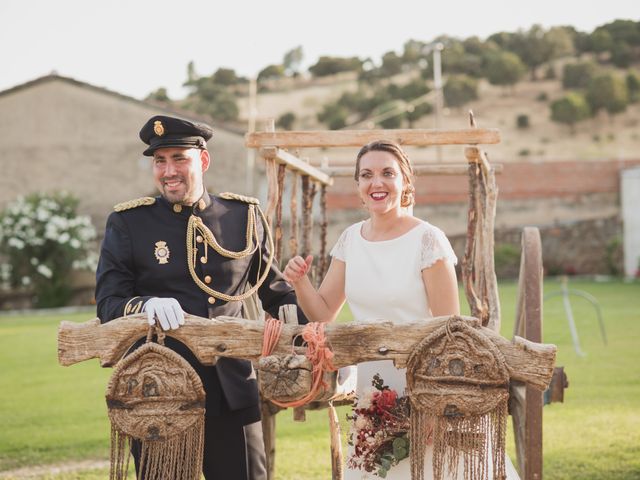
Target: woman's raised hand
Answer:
pixel 297 268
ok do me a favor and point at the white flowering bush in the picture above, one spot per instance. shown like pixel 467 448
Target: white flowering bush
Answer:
pixel 42 239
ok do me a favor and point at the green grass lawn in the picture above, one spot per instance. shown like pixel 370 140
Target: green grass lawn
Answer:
pixel 51 414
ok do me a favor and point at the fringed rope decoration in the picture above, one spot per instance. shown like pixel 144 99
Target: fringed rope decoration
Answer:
pixel 156 399
pixel 457 381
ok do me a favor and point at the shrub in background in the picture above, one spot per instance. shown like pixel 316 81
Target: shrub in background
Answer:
pixel 507 260
pixel 42 240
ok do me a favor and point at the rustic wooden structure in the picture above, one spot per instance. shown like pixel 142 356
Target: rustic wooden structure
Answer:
pixel 530 363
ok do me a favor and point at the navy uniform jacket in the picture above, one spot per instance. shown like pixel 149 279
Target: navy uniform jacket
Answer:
pixel 132 270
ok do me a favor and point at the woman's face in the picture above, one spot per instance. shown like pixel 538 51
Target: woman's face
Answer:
pixel 380 181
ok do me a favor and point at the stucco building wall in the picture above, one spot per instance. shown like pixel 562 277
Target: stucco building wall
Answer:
pixel 60 134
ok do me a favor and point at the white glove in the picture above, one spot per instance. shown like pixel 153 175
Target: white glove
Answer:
pixel 166 310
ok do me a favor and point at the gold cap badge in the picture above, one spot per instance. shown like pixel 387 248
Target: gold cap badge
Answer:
pixel 158 128
pixel 162 252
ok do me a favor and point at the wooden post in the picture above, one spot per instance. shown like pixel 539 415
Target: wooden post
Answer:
pixel 278 231
pixel 526 403
pixel 322 260
pixel 269 411
pixel 336 443
pixel 293 224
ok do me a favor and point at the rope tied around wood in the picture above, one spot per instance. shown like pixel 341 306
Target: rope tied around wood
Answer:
pixel 282 378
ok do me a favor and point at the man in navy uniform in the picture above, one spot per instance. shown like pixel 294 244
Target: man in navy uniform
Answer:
pixel 189 251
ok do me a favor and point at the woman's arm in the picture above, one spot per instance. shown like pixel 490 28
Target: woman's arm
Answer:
pixel 441 286
pixel 324 304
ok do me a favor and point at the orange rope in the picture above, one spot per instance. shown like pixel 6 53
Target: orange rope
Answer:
pixel 318 353
pixel 272 331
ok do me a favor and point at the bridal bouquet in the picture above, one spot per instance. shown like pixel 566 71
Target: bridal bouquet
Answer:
pixel 379 429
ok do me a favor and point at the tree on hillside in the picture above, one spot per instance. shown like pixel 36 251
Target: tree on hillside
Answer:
pixel 416 112
pixel 627 31
pixel 212 99
pixel 226 77
pixel 607 92
pixel 410 91
pixel 622 54
pixel 582 43
pixel 633 86
pixel 391 114
pixel 358 102
pixel 413 52
pixel 293 60
pixel 600 40
pixel 391 64
pixel 578 75
pixel 159 95
pixel 286 121
pixel 570 109
pixel 271 72
pixel 561 41
pixel 504 68
pixel 459 90
pixel 457 60
pixel 534 48
pixel 504 40
pixel 192 76
pixel 334 116
pixel 332 65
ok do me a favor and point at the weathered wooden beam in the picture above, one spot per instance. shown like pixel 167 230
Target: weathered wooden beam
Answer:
pixel 358 138
pixel 418 169
pixel 296 164
pixel 352 343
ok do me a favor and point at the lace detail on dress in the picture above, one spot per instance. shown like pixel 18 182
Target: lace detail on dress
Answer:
pixel 338 250
pixel 435 246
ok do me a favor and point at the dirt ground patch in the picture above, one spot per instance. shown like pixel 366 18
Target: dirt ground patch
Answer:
pixel 55 469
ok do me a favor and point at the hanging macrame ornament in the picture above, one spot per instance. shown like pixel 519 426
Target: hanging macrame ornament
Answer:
pixel 154 397
pixel 457 381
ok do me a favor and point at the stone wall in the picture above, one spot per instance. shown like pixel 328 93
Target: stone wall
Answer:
pixel 571 248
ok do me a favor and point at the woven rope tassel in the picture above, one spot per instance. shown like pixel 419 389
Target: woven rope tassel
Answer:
pixel 156 399
pixel 457 381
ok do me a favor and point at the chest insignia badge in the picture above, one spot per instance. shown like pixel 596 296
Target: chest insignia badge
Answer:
pixel 162 252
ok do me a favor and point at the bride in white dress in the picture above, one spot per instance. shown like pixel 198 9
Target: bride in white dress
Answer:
pixel 392 266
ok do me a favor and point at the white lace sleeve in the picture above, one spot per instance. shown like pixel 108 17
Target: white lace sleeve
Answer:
pixel 436 246
pixel 338 250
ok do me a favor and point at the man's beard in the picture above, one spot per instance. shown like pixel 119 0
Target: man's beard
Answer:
pixel 178 196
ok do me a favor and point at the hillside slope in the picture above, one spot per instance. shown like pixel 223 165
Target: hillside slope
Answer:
pixel 600 138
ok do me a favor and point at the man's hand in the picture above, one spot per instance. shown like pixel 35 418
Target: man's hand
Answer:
pixel 166 310
pixel 297 268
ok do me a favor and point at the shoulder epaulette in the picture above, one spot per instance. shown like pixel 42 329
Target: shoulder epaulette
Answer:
pixel 135 203
pixel 240 198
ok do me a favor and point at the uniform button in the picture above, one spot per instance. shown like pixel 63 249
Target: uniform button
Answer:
pixel 177 207
pixel 203 259
pixel 212 300
pixel 199 239
pixel 207 279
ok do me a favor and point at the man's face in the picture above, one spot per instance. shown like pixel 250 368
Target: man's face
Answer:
pixel 177 173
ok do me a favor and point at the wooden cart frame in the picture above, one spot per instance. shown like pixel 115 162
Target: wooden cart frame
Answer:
pixel 531 363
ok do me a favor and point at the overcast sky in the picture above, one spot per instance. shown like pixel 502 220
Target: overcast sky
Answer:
pixel 136 46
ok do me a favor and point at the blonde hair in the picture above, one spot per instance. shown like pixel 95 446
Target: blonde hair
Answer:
pixel 408 190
